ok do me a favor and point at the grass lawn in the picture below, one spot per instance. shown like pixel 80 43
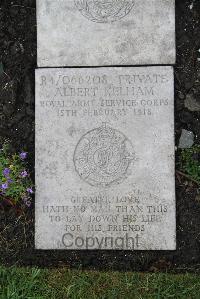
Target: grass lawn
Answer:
pixel 33 283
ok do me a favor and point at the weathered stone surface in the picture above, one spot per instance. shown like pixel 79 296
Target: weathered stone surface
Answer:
pixel 186 140
pixel 117 32
pixel 105 158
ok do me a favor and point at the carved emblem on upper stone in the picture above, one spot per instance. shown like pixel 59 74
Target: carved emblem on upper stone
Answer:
pixel 102 156
pixel 104 11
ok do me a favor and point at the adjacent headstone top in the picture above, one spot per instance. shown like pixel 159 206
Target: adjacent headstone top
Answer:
pixel 105 32
pixel 105 158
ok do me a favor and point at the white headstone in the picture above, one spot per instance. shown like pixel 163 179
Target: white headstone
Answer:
pixel 105 158
pixel 105 32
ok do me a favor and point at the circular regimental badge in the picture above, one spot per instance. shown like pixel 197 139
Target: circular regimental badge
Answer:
pixel 103 156
pixel 104 11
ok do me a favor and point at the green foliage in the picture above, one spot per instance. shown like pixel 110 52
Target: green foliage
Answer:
pixel 190 162
pixel 34 283
pixel 15 181
pixel 16 283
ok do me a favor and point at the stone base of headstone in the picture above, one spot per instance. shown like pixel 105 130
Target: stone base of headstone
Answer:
pixel 105 158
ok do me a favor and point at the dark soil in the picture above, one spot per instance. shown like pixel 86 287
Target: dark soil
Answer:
pixel 18 57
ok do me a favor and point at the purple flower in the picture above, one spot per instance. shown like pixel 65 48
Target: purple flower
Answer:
pixel 28 203
pixel 4 186
pixel 24 174
pixel 23 155
pixel 6 172
pixel 29 190
pixel 25 198
pixel 10 181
